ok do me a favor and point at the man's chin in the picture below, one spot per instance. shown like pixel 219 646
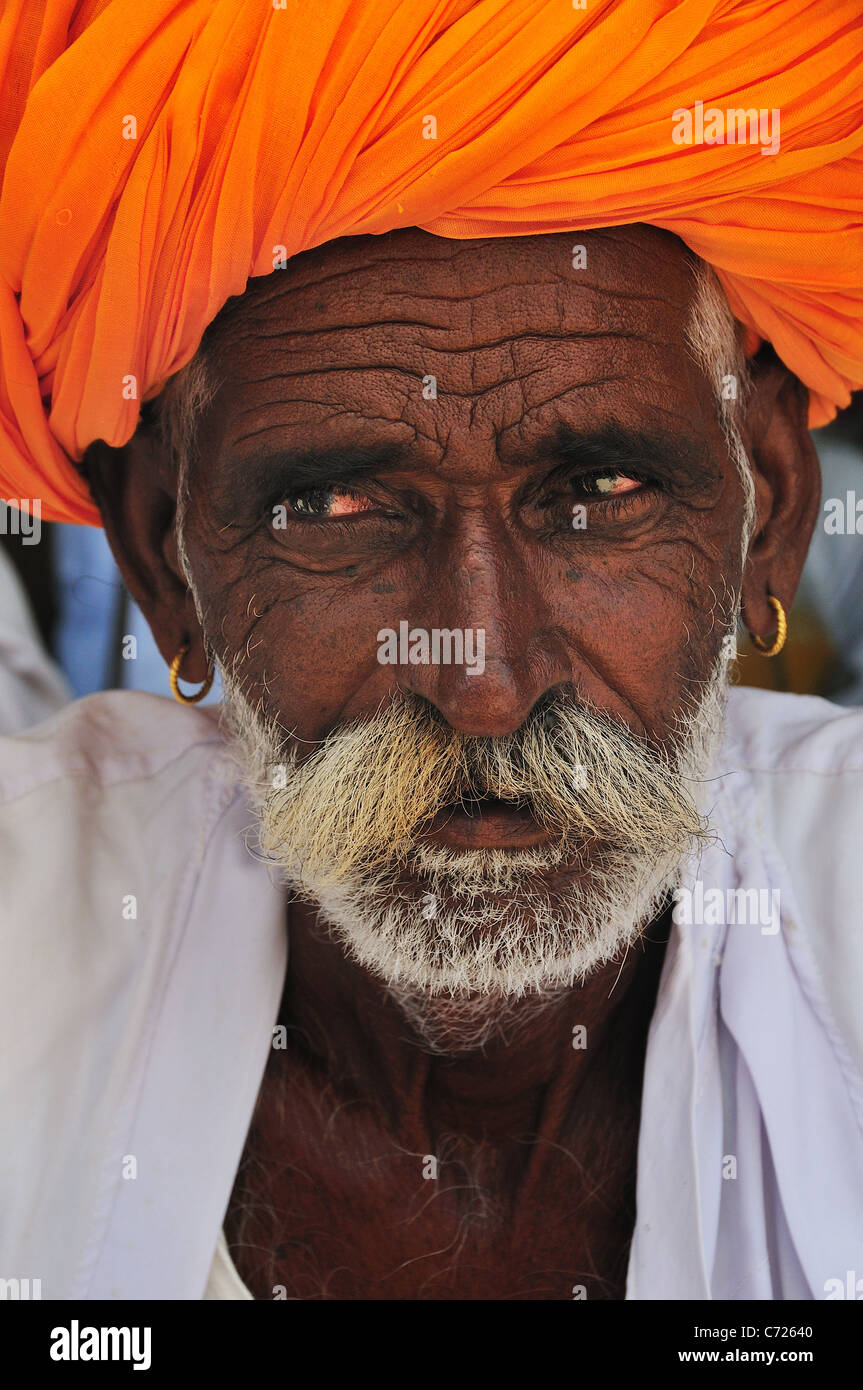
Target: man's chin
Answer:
pixel 491 923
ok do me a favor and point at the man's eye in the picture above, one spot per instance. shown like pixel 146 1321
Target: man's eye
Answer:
pixel 608 483
pixel 605 493
pixel 329 502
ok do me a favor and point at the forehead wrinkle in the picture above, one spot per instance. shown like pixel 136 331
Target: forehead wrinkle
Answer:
pixel 381 422
pixel 391 369
pixel 403 382
pixel 253 298
pixel 335 409
pixel 408 251
pixel 510 371
pixel 554 279
pixel 285 287
pixel 288 332
pixel 411 269
pixel 472 394
pixel 565 306
pixel 508 341
pixel 536 251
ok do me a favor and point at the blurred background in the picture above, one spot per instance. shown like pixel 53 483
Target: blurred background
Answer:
pixel 68 626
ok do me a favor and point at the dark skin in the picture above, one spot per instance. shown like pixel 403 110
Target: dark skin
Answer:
pixel 533 1193
pixel 462 518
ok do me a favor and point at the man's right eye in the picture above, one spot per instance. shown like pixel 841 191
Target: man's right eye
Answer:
pixel 321 503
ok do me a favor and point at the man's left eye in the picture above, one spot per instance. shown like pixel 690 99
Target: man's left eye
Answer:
pixel 328 502
pixel 609 483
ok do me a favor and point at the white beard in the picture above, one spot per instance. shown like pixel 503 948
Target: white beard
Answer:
pixel 470 933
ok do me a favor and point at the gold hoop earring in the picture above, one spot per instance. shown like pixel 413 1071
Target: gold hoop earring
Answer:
pixel 781 630
pixel 174 675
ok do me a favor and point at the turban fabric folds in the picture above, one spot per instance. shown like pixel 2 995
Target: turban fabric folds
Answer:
pixel 155 154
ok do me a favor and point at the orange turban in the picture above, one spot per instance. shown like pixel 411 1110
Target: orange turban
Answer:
pixel 154 154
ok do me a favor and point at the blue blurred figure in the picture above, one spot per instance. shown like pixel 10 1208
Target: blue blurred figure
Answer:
pixel 96 614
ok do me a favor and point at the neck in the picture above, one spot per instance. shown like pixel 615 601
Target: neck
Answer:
pixel 409 1055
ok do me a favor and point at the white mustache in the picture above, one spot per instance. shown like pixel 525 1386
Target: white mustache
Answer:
pixel 359 802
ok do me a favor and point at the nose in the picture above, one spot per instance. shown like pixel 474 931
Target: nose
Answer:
pixel 483 597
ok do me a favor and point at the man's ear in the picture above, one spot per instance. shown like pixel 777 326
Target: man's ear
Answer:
pixel 787 479
pixel 135 489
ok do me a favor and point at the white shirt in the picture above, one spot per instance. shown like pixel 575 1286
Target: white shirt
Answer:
pixel 224 1282
pixel 32 686
pixel 144 953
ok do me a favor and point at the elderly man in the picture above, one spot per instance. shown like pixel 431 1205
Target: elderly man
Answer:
pixel 487 949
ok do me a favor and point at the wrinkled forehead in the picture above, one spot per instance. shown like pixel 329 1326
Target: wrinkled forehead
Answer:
pixel 414 340
pixel 629 277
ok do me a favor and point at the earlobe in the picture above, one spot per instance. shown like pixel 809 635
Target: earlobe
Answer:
pixel 174 677
pixel 775 647
pixel 788 492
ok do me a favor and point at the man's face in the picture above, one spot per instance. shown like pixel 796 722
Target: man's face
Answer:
pixel 416 436
pixel 471 436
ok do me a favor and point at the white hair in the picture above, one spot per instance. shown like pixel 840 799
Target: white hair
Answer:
pixel 178 413
pixel 715 339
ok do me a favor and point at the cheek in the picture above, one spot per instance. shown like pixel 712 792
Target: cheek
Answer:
pixel 305 644
pixel 645 625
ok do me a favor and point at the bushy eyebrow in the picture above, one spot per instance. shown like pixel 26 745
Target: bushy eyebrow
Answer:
pixel 613 446
pixel 678 458
pixel 314 467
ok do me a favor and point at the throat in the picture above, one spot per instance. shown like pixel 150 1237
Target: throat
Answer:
pixel 379 1166
pixel 484 1024
pixel 481 1065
